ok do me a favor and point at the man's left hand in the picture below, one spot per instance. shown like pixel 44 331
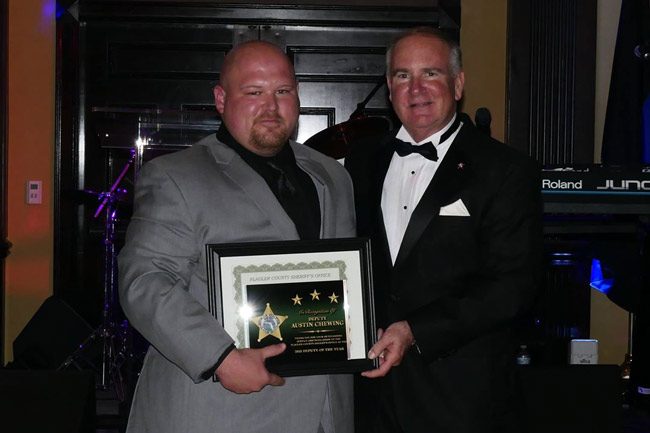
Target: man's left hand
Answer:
pixel 390 348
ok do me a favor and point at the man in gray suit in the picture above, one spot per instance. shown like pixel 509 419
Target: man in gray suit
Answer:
pixel 247 183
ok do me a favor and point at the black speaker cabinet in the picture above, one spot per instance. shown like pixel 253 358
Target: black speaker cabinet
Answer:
pixel 47 401
pixel 50 337
pixel 571 398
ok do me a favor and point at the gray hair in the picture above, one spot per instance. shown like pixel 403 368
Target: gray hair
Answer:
pixel 455 54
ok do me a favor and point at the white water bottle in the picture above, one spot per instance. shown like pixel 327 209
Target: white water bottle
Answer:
pixel 523 357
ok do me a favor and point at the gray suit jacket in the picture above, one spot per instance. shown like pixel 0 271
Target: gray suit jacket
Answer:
pixel 208 194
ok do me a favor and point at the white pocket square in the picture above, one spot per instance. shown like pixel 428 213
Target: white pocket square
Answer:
pixel 456 208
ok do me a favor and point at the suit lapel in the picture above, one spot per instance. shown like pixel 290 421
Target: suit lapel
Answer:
pixel 254 187
pixel 445 186
pixel 384 156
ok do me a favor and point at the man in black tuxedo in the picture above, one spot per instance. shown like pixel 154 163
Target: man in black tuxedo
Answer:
pixel 455 222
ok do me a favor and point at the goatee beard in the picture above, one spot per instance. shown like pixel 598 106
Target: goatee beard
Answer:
pixel 272 140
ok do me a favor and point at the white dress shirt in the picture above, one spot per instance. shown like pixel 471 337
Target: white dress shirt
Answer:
pixel 406 180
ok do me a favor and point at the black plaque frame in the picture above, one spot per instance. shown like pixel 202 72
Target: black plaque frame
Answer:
pixel 295 260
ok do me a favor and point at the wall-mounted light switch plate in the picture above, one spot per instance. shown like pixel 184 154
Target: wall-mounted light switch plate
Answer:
pixel 34 192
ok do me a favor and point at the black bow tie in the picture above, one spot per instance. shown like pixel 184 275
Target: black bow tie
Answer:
pixel 428 150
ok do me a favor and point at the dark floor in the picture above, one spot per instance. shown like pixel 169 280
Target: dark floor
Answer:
pixel 109 419
pixel 635 421
pixel 37 400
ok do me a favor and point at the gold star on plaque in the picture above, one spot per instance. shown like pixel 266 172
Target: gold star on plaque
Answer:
pixel 269 324
pixel 315 295
pixel 333 298
pixel 296 300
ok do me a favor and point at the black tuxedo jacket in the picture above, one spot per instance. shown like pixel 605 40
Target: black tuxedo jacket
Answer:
pixel 459 281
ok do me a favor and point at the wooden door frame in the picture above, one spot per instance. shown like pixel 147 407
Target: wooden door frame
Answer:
pixel 4 244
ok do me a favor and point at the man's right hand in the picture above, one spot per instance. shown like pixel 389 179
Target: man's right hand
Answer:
pixel 390 348
pixel 243 371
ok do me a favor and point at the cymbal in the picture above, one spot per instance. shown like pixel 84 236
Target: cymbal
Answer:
pixel 336 141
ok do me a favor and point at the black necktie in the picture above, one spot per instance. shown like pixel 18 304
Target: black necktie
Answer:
pixel 284 187
pixel 428 150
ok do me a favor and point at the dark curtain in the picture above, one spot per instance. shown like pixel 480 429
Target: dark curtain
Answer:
pixel 623 136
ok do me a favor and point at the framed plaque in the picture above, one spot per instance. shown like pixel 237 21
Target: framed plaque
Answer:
pixel 315 296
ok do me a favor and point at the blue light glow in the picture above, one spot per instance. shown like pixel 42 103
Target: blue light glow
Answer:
pixel 60 10
pixel 645 139
pixel 52 8
pixel 48 8
pixel 597 280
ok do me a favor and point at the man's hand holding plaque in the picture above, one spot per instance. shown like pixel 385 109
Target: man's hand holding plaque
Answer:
pixel 243 370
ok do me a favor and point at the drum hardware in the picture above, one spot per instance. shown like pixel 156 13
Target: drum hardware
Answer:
pixel 336 140
pixel 112 336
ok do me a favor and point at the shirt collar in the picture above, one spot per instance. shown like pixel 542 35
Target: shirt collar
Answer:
pixel 404 135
